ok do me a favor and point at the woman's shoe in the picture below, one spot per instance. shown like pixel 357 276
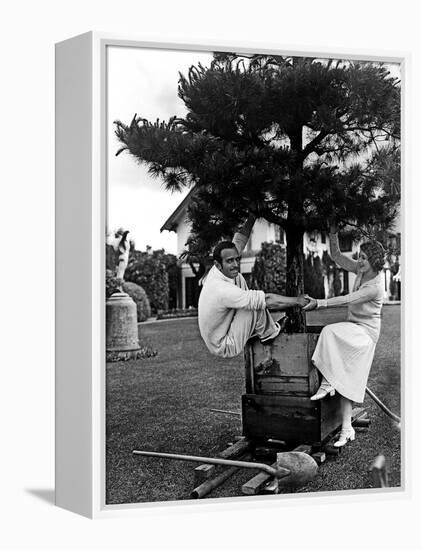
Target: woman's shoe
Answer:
pixel 325 389
pixel 347 434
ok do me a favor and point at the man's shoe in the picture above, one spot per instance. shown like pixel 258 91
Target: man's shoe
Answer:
pixel 269 340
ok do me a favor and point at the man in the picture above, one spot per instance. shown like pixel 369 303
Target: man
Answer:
pixel 230 313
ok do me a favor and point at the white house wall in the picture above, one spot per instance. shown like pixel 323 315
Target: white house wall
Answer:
pixel 183 232
pixel 262 232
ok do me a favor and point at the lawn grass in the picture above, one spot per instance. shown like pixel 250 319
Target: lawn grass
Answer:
pixel 163 404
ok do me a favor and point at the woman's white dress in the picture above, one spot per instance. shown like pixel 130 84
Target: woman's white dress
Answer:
pixel 345 351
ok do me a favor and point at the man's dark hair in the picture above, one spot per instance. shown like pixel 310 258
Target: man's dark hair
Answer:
pixel 220 247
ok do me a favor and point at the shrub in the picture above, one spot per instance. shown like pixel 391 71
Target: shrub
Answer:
pixel 170 261
pixel 149 270
pixel 177 313
pixel 268 272
pixel 138 295
pixel 111 283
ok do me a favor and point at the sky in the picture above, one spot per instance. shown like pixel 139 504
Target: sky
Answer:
pixel 144 81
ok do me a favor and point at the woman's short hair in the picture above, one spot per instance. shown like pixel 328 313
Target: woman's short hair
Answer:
pixel 220 247
pixel 375 254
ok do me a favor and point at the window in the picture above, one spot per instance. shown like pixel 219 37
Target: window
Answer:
pixel 192 292
pixel 279 234
pixel 394 242
pixel 345 243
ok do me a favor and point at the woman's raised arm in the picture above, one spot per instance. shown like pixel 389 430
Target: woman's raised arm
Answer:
pixel 242 235
pixel 338 257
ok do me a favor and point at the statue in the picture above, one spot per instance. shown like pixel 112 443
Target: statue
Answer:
pixel 121 312
pixel 123 249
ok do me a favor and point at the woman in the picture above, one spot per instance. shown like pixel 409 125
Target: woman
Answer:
pixel 345 351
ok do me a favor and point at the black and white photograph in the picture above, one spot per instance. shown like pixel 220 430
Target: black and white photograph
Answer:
pixel 210 334
pixel 253 275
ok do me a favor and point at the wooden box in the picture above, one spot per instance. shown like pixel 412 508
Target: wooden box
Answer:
pixel 277 401
pixel 291 419
pixel 291 373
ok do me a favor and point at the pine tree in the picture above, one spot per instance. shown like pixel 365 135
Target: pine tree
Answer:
pixel 294 140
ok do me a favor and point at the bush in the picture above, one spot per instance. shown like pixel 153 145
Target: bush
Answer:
pixel 138 295
pixel 268 272
pixel 177 313
pixel 170 261
pixel 111 283
pixel 149 270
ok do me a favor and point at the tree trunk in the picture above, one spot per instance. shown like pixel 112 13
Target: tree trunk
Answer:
pixel 295 232
pixel 295 276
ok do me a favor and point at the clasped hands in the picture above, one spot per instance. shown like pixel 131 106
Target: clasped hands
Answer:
pixel 306 302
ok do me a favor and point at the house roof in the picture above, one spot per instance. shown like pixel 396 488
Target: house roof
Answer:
pixel 174 219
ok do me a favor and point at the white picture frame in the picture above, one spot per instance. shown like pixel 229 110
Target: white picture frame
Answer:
pixel 81 151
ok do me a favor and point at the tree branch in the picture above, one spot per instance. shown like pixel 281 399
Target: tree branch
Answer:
pixel 311 147
pixel 247 226
pixel 272 218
